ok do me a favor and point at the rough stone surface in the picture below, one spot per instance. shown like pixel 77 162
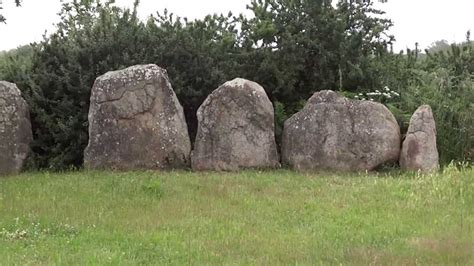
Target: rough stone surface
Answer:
pixel 419 151
pixel 15 129
pixel 335 133
pixel 235 129
pixel 136 122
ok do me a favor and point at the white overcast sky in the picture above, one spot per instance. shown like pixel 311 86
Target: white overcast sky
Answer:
pixel 423 21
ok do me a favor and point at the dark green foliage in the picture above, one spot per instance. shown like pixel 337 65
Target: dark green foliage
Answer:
pixel 280 117
pixel 199 56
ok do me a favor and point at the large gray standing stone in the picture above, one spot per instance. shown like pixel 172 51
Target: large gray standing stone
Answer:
pixel 419 151
pixel 335 133
pixel 235 129
pixel 136 122
pixel 15 129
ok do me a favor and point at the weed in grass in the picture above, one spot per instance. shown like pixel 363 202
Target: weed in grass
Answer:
pixel 153 188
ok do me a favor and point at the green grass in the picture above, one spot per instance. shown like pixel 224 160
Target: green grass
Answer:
pixel 277 217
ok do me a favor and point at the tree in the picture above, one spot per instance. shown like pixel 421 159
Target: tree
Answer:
pixel 304 46
pixel 438 46
pixel 2 18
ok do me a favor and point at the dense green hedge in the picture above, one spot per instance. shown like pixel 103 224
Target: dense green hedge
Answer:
pixel 293 48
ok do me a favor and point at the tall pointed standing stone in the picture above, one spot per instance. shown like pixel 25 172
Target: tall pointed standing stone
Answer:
pixel 419 151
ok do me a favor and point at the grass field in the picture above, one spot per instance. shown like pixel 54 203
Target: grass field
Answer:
pixel 276 217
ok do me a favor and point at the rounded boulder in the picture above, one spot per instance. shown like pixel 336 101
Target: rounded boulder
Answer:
pixel 335 133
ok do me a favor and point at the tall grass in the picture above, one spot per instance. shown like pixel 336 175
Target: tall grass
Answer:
pixel 452 100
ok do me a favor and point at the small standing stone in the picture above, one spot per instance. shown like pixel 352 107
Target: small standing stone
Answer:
pixel 15 129
pixel 419 151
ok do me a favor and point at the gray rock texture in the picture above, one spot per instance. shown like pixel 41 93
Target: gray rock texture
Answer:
pixel 235 129
pixel 335 133
pixel 419 151
pixel 15 129
pixel 136 122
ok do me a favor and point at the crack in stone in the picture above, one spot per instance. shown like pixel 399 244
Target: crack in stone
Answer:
pixel 352 143
pixel 122 94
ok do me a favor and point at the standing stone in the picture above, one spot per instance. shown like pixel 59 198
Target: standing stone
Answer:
pixel 419 151
pixel 136 122
pixel 335 133
pixel 15 129
pixel 235 129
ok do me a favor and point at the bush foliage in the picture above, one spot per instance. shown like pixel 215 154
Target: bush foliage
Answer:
pixel 292 48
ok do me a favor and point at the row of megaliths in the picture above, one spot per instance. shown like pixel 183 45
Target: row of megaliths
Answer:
pixel 137 122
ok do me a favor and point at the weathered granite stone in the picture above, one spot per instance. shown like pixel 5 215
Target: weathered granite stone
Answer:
pixel 236 129
pixel 15 129
pixel 335 133
pixel 136 122
pixel 419 151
